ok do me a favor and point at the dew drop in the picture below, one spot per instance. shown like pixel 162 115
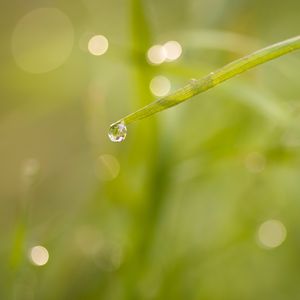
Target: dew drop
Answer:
pixel 117 132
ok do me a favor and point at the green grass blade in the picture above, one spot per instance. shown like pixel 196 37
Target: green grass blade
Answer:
pixel 228 71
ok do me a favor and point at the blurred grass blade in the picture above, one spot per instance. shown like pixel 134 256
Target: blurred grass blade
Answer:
pixel 219 39
pixel 198 86
pixel 263 101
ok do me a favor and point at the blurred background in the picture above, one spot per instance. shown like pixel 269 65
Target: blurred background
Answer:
pixel 199 202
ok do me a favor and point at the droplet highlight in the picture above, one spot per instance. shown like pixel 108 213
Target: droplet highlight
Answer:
pixel 117 132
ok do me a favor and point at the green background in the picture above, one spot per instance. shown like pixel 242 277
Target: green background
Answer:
pixel 172 212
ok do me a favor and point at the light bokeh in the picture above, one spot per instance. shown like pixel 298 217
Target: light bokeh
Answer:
pixel 42 40
pixel 160 86
pixel 156 55
pixel 39 255
pixel 271 234
pixel 98 45
pixel 173 50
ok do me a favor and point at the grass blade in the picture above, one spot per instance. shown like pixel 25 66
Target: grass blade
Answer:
pixel 228 71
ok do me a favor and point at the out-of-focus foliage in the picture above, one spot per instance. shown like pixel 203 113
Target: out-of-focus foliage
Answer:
pixel 183 208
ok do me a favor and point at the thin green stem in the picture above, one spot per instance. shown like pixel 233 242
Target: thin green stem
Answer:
pixel 228 71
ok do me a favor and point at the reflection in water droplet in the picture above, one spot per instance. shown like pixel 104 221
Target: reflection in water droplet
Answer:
pixel 117 132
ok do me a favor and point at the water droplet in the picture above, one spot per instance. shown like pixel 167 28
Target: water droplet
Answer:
pixel 117 132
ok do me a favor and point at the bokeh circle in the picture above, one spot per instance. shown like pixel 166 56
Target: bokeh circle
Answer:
pixel 42 40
